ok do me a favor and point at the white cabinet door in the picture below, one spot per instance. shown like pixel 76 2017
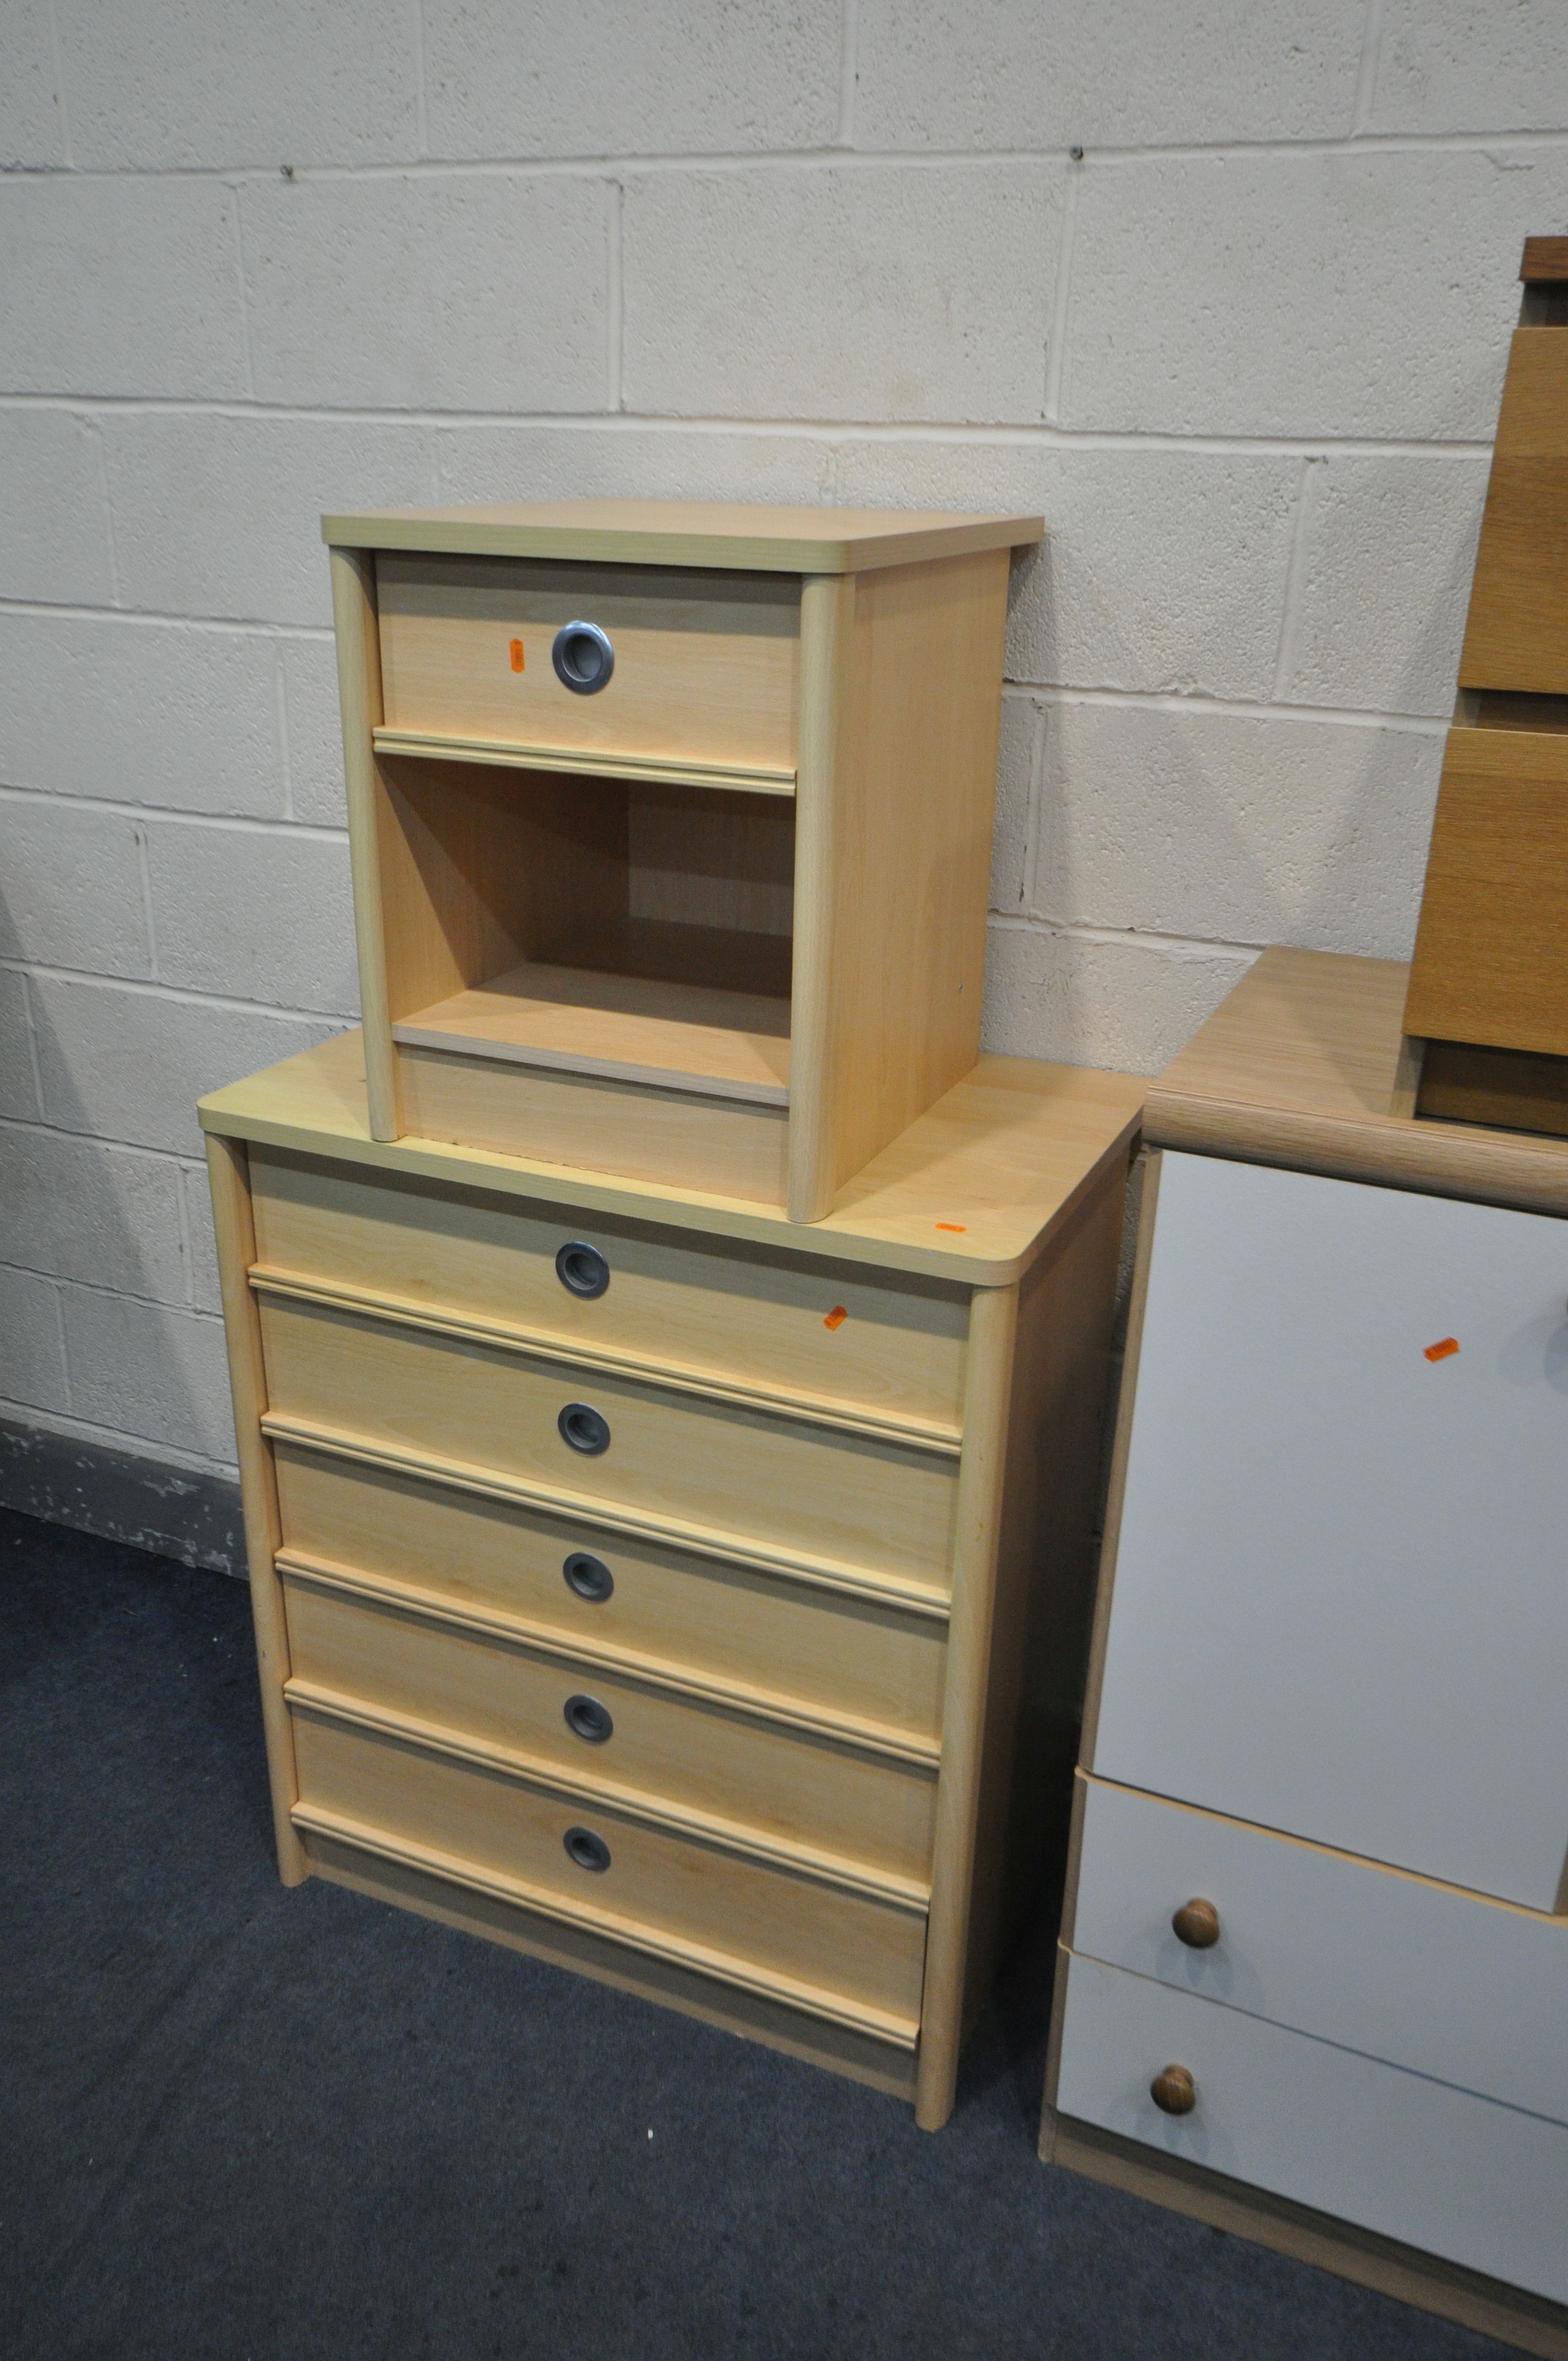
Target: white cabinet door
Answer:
pixel 1341 1600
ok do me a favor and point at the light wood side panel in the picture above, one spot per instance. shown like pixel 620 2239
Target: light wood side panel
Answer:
pixel 916 787
pixel 456 1899
pixel 810 1650
pixel 1488 963
pixel 824 1492
pixel 673 1748
pixel 359 695
pixel 1516 635
pixel 788 1926
pixel 1044 1574
pixel 992 1328
pixel 792 1326
pixel 705 665
pixel 669 1138
pixel 263 1525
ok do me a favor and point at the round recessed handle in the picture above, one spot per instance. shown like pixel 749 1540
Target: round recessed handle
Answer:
pixel 587 1719
pixel 1197 1924
pixel 583 1429
pixel 589 1577
pixel 581 1269
pixel 1174 2091
pixel 587 1850
pixel 583 658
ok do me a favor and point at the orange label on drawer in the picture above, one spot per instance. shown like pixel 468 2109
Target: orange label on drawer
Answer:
pixel 517 656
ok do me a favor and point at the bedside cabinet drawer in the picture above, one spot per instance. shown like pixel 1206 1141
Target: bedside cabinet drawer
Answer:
pixel 585 1437
pixel 666 669
pixel 595 1724
pixel 1447 1983
pixel 1455 2174
pixel 781 1324
pixel 832 1652
pixel 602 1867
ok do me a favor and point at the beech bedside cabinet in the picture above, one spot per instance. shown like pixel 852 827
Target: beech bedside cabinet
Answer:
pixel 1314 1977
pixel 668 1359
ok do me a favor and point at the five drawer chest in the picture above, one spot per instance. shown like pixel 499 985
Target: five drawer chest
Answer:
pixel 668 1358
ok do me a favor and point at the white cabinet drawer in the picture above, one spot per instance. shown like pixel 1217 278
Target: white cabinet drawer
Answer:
pixel 1340 1589
pixel 1455 2175
pixel 1467 1991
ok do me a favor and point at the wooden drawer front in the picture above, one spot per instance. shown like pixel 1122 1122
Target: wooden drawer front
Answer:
pixel 1353 1553
pixel 840 1654
pixel 798 1488
pixel 1455 2174
pixel 756 1318
pixel 672 1749
pixel 1464 1990
pixel 787 1925
pixel 705 672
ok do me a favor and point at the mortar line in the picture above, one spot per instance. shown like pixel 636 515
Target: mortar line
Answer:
pixel 337 1020
pixel 162 618
pixel 58 61
pixel 144 866
pixel 421 97
pixel 101 1286
pixel 95 427
pixel 977 433
pixel 1035 809
pixel 73 1427
pixel 1366 74
pixel 1141 937
pixel 848 61
pixel 244 301
pixel 810 160
pixel 55 1289
pixel 107 1139
pixel 615 303
pixel 1295 575
pixel 236 823
pixel 187 1257
pixel 1056 348
pixel 281 696
pixel 34 1060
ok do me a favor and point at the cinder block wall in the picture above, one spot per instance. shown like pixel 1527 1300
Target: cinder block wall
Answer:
pixel 1244 351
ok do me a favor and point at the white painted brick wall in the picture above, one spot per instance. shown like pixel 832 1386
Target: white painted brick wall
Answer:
pixel 256 262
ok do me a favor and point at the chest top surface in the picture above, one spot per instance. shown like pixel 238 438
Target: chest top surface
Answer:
pixel 970 1192
pixel 687 533
pixel 1298 1067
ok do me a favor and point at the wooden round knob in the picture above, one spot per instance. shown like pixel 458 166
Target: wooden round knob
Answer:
pixel 1174 2091
pixel 1196 1922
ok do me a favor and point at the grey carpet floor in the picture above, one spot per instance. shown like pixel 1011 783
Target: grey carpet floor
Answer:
pixel 251 2126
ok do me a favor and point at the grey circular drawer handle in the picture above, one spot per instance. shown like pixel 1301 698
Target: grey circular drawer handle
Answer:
pixel 583 658
pixel 1174 2091
pixel 587 1850
pixel 581 1269
pixel 583 1429
pixel 589 1577
pixel 587 1719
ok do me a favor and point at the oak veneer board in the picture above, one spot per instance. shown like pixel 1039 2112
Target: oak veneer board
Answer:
pixel 1516 635
pixel 686 532
pixel 1298 1067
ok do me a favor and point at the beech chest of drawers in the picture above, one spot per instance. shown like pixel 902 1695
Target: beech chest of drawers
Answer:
pixel 661 1588
pixel 1314 1982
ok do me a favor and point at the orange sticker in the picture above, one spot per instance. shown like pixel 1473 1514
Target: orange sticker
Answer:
pixel 837 1317
pixel 517 656
pixel 959 1226
pixel 1443 1349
